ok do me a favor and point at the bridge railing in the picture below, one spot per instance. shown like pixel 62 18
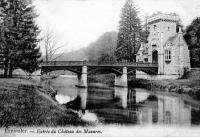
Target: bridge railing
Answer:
pixel 64 63
pixel 94 63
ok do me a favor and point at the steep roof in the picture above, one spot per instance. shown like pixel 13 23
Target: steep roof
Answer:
pixel 171 39
pixel 177 39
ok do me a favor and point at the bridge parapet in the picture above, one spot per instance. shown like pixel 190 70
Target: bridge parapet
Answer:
pixel 93 63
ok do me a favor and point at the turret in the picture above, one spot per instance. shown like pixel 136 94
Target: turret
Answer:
pixel 161 27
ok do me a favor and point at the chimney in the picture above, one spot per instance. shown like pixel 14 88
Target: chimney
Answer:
pixel 180 30
pixel 180 34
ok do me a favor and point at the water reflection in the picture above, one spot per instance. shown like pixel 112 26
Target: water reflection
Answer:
pixel 140 107
pixel 121 93
pixel 82 93
pixel 132 106
pixel 161 110
pixel 173 110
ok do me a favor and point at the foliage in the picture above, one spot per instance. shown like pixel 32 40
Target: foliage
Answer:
pixel 103 49
pixel 129 36
pixel 19 36
pixel 192 38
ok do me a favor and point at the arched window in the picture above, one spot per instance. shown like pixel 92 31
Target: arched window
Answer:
pixel 155 56
pixel 167 55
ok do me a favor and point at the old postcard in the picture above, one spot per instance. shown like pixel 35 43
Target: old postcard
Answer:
pixel 100 68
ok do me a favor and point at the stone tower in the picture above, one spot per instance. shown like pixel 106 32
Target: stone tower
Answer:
pixel 161 27
pixel 166 47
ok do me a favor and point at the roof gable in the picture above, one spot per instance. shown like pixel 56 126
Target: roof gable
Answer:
pixel 176 40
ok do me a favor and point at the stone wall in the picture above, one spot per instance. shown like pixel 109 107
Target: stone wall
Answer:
pixel 143 75
pixel 171 67
pixel 180 59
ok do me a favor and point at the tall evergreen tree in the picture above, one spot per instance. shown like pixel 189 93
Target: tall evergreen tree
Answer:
pixel 20 36
pixel 129 36
pixel 30 55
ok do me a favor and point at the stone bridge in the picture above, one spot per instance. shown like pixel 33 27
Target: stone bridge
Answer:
pixel 84 68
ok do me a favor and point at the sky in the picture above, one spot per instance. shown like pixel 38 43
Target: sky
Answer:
pixel 77 23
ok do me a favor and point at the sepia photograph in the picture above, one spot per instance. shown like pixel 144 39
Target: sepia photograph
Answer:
pixel 99 68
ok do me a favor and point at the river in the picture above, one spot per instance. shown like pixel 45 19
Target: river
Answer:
pixel 127 106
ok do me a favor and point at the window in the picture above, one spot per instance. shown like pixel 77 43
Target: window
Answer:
pixel 167 55
pixel 155 56
pixel 168 117
pixel 145 59
pixel 154 27
pixel 168 28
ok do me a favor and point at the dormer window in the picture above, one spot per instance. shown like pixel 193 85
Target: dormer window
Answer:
pixel 169 44
pixel 168 55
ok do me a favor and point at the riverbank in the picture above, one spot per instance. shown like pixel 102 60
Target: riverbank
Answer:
pixel 25 103
pixel 189 87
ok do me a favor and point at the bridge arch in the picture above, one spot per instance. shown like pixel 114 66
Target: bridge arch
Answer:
pixel 101 70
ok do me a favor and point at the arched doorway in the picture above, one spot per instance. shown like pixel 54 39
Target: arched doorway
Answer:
pixel 155 56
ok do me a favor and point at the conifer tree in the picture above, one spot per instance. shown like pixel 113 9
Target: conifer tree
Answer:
pixel 5 26
pixel 20 36
pixel 29 51
pixel 129 33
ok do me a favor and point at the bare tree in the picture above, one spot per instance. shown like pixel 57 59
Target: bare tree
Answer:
pixel 52 46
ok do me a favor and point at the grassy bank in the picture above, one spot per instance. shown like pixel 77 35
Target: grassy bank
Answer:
pixel 190 87
pixel 25 103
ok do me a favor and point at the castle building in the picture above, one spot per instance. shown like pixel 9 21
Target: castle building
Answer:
pixel 165 46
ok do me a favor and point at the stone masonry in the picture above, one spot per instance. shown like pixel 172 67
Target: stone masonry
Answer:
pixel 165 46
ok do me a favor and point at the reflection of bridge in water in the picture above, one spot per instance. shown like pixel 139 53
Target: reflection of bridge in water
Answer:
pixel 84 68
